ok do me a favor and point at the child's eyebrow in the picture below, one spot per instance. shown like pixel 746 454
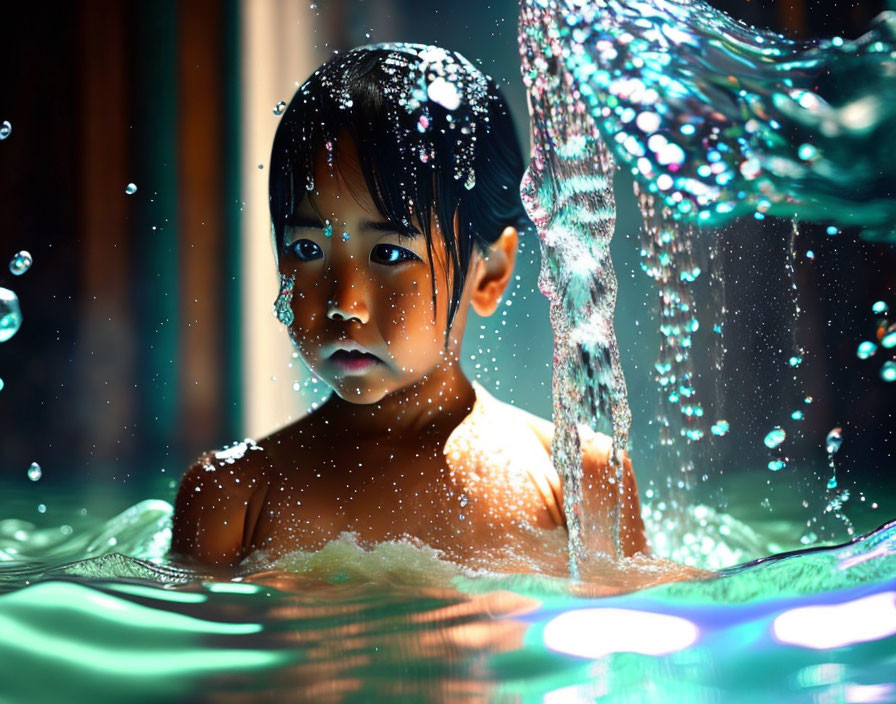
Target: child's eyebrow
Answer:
pixel 297 220
pixel 386 226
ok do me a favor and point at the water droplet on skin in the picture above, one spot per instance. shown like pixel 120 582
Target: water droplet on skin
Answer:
pixel 721 428
pixel 328 229
pixel 833 441
pixel 775 437
pixel 345 237
pixel 20 263
pixel 10 314
pixel 866 349
pixel 35 472
pixel 888 371
pixel 279 108
pixel 130 189
pixel 5 129
pixel 261 166
pixel 880 308
pixel 777 465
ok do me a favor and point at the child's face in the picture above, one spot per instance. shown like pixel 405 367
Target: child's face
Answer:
pixel 360 288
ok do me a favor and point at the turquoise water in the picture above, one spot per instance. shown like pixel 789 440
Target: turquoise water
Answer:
pixel 93 606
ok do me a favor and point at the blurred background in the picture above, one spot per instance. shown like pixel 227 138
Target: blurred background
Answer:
pixel 148 335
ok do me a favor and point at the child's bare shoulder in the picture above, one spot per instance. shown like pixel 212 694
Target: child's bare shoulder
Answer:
pixel 213 501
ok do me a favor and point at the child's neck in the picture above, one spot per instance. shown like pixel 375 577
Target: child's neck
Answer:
pixel 443 398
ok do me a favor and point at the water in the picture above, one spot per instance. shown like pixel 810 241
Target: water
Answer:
pixel 91 597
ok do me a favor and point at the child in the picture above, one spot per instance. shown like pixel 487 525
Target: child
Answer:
pixel 394 195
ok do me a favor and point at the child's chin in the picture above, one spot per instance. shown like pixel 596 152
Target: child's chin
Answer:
pixel 360 394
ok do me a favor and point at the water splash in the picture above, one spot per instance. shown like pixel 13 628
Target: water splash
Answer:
pixel 568 194
pixel 719 119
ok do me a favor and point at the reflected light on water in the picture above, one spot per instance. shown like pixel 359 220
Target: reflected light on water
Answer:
pixel 593 633
pixel 856 693
pixel 838 625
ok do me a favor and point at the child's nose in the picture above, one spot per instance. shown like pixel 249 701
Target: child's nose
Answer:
pixel 348 296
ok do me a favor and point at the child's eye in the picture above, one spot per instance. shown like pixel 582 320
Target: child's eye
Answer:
pixel 392 254
pixel 306 250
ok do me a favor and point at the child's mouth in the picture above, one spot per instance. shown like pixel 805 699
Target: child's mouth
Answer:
pixel 353 362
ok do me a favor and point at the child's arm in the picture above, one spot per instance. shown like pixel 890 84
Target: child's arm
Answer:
pixel 210 513
pixel 596 473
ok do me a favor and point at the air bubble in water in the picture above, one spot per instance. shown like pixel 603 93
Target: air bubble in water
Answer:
pixel 10 314
pixel 833 441
pixel 888 371
pixel 20 263
pixel 5 129
pixel 775 437
pixel 35 472
pixel 279 107
pixel 866 349
pixel 130 189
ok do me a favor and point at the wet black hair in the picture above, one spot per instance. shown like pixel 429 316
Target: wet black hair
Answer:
pixel 433 135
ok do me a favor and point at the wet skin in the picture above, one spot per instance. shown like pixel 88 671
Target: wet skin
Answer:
pixel 405 447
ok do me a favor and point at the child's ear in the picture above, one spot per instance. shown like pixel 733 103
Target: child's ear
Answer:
pixel 493 273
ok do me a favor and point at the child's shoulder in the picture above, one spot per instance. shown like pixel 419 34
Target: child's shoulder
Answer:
pixel 215 496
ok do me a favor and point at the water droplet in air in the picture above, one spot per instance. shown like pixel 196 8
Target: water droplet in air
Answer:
pixel 279 107
pixel 832 483
pixel 1 384
pixel 888 371
pixel 777 465
pixel 5 129
pixel 35 472
pixel 797 415
pixel 810 254
pixel 866 349
pixel 795 361
pixel 41 508
pixel 889 338
pixel 775 437
pixel 832 230
pixel 808 399
pixel 20 263
pixel 880 307
pixel 10 314
pixel 833 441
pixel 720 428
pixel 470 183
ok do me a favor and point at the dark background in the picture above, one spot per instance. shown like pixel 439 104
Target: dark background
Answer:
pixel 133 301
